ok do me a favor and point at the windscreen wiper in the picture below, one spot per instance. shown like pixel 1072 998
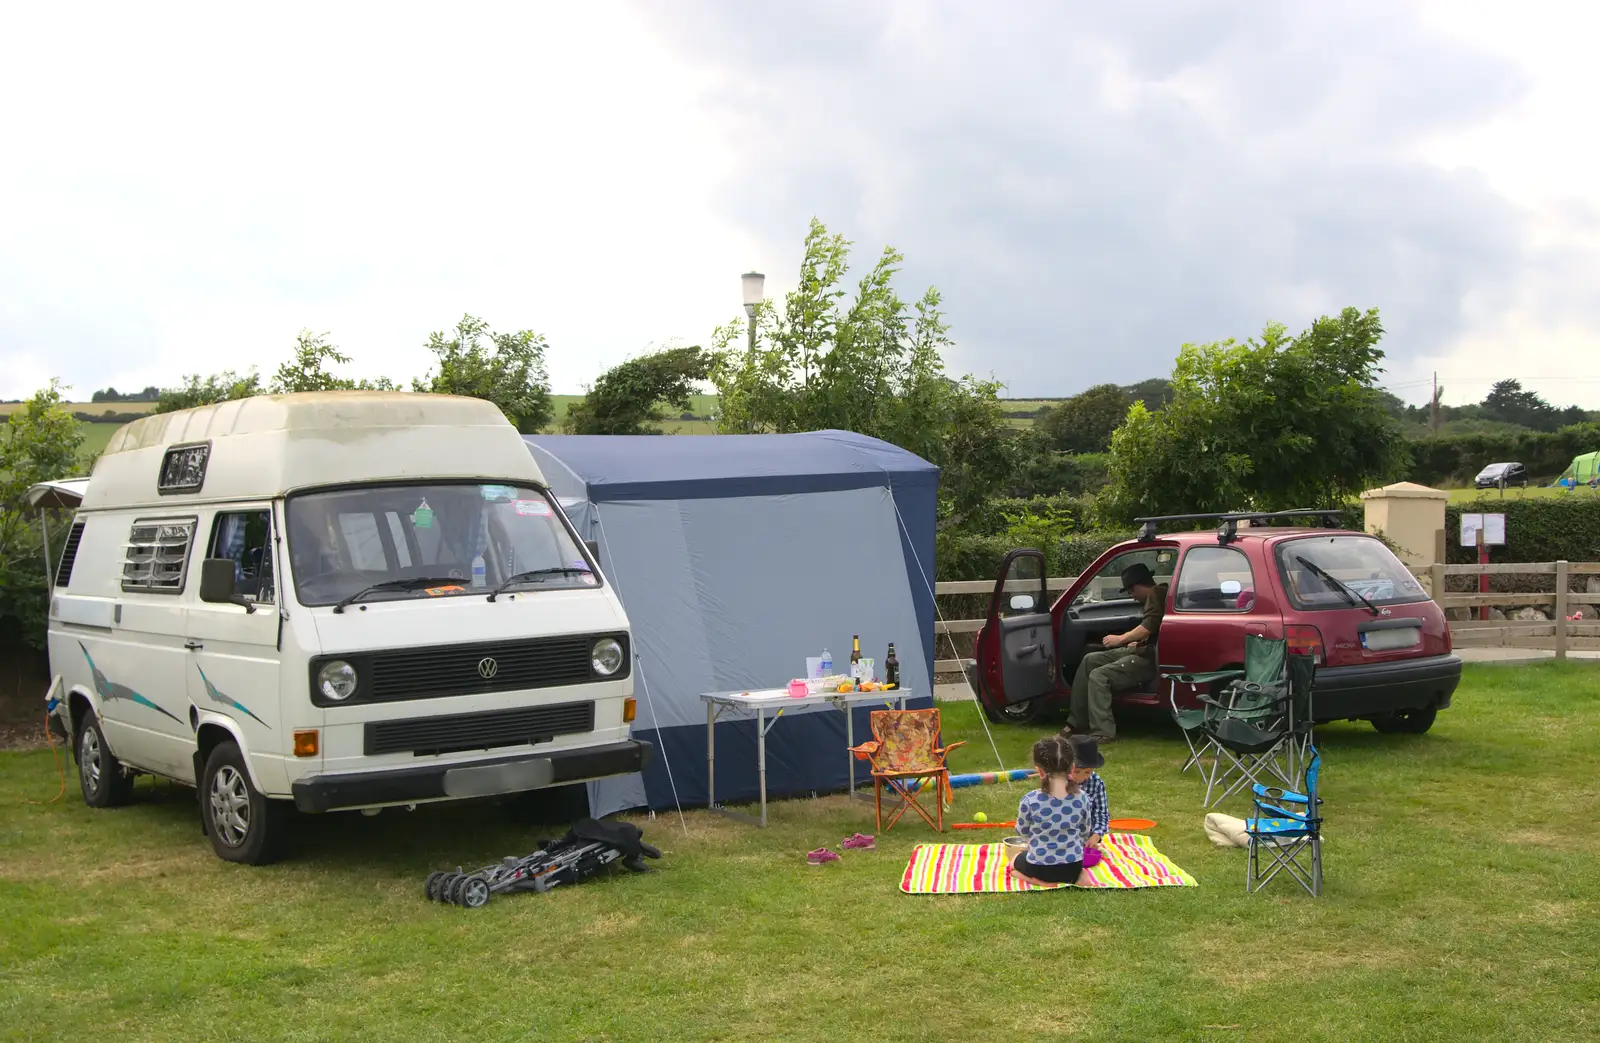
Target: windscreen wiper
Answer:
pixel 533 574
pixel 413 583
pixel 1349 594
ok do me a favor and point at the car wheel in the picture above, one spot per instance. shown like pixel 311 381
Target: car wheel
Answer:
pixel 243 825
pixel 1405 722
pixel 103 779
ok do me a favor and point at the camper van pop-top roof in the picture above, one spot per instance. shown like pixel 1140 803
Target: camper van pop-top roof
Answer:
pixel 270 445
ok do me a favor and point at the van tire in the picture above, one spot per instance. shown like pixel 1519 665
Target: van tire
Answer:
pixel 1406 722
pixel 103 779
pixel 243 825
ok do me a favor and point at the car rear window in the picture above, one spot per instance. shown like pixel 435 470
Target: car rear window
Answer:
pixel 1361 564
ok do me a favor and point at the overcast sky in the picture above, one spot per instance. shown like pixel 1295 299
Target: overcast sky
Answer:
pixel 1091 185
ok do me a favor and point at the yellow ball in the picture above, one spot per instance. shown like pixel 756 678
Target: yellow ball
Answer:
pixel 980 817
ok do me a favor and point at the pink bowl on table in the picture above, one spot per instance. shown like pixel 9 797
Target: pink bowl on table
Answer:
pixel 798 689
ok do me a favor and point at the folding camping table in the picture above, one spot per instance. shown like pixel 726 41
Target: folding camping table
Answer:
pixel 779 699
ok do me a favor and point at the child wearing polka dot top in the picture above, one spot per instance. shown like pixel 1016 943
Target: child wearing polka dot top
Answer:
pixel 1054 819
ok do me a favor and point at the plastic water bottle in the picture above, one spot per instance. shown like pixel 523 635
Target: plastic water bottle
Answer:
pixel 827 663
pixel 479 572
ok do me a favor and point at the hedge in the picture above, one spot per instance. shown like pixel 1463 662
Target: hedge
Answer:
pixel 1554 528
pixel 1457 459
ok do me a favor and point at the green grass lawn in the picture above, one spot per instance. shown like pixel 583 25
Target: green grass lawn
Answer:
pixel 1460 903
pixel 1474 495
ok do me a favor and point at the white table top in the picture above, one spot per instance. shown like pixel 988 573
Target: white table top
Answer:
pixel 779 698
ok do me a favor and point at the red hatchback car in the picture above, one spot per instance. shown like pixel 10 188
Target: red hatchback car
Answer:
pixel 1382 646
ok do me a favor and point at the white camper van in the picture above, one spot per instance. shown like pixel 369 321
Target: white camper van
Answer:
pixel 347 600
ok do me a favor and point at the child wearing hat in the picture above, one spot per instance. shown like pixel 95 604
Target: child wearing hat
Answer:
pixel 1087 760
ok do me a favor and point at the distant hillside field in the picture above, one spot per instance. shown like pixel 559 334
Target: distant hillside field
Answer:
pixel 92 408
pixel 701 408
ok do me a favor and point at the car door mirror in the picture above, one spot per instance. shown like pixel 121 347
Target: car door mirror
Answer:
pixel 594 550
pixel 1022 602
pixel 216 584
pixel 1231 588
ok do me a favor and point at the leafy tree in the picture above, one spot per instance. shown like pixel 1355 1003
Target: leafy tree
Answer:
pixel 507 369
pixel 306 370
pixel 629 399
pixel 1509 403
pixel 1084 423
pixel 1155 393
pixel 40 442
pixel 204 391
pixel 868 363
pixel 149 394
pixel 1281 422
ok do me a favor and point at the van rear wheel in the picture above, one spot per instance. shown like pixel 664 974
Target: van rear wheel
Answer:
pixel 1405 722
pixel 105 783
pixel 243 825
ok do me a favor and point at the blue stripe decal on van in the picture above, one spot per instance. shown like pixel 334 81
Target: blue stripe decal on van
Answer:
pixel 112 692
pixel 227 700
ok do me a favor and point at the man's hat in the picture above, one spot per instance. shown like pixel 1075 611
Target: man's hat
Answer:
pixel 1137 575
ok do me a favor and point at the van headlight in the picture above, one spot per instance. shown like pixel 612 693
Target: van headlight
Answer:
pixel 337 680
pixel 606 657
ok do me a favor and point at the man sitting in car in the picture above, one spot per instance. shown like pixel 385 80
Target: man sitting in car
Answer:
pixel 1128 661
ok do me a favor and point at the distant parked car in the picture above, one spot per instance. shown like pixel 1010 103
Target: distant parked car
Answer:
pixel 1495 475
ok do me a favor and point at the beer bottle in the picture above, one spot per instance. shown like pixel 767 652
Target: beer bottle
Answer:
pixel 855 659
pixel 891 667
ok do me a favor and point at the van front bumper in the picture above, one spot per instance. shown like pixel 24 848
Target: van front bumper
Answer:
pixel 487 778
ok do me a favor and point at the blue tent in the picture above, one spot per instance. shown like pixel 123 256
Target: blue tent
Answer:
pixel 736 557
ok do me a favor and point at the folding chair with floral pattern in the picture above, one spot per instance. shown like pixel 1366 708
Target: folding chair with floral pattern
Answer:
pixel 905 748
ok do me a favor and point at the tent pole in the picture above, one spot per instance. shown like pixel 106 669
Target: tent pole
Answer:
pixel 49 573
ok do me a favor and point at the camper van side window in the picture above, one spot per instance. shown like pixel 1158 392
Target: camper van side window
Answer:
pixel 245 537
pixel 158 555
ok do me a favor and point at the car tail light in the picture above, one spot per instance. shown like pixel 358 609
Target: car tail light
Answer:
pixel 1304 640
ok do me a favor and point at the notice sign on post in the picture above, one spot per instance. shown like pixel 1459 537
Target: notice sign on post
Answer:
pixel 1489 530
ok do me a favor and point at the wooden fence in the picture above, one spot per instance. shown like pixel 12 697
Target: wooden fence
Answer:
pixel 1557 633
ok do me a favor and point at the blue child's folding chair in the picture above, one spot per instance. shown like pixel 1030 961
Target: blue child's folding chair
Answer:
pixel 1287 827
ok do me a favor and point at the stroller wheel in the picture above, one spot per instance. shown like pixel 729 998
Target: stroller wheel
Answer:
pixel 474 892
pixel 431 888
pixel 456 884
pixel 441 887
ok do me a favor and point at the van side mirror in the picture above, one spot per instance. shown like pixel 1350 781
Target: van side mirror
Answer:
pixel 594 550
pixel 216 584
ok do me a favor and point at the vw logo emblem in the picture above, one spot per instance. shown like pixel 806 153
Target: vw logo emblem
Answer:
pixel 487 668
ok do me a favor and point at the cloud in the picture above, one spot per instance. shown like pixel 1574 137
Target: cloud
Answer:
pixel 188 187
pixel 1092 188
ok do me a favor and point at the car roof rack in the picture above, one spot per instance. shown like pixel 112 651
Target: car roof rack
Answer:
pixel 1228 522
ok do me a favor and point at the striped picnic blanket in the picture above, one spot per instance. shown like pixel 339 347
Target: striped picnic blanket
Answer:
pixel 1127 860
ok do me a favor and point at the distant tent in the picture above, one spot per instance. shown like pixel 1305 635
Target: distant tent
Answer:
pixel 1582 470
pixel 737 557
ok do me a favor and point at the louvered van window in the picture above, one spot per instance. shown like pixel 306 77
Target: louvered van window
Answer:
pixel 158 555
pixel 69 554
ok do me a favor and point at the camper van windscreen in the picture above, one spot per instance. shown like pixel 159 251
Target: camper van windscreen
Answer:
pixel 469 538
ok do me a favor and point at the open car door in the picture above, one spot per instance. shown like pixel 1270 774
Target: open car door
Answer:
pixel 1017 655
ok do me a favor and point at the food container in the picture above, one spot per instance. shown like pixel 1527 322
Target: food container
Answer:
pixel 799 689
pixel 813 666
pixel 1015 846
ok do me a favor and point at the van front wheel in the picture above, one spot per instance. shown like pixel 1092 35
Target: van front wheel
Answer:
pixel 243 825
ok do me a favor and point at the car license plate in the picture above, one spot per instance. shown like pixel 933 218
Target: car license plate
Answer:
pixel 1386 640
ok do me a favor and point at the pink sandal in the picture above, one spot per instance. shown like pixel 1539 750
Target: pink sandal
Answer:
pixel 821 856
pixel 859 842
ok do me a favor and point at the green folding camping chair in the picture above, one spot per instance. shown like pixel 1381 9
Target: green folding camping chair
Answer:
pixel 1257 696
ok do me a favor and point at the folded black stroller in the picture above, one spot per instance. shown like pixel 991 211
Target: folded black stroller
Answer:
pixel 588 847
